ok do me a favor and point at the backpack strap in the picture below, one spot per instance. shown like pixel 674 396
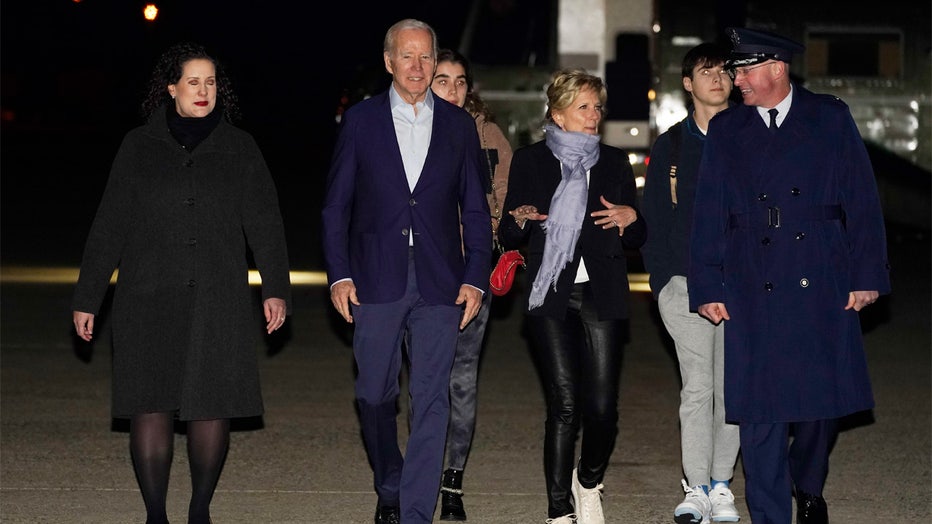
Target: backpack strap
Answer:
pixel 675 139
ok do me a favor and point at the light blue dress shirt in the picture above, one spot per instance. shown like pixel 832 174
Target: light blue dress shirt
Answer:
pixel 413 126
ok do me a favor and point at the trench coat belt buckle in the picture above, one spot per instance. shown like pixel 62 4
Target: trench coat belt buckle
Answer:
pixel 774 217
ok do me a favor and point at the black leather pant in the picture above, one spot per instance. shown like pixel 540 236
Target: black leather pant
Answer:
pixel 579 358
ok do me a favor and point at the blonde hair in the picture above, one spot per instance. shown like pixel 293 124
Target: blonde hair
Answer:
pixel 566 84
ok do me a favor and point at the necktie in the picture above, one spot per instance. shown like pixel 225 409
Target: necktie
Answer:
pixel 773 120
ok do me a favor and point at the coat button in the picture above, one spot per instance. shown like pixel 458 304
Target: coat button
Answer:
pixel 188 163
pixel 189 201
pixel 765 241
pixel 192 241
pixel 768 286
pixel 192 283
pixel 404 231
pixel 804 282
pixel 762 197
pixel 412 202
pixel 800 235
pixel 795 191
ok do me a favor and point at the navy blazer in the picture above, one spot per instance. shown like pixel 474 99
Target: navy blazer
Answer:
pixel 533 179
pixel 369 211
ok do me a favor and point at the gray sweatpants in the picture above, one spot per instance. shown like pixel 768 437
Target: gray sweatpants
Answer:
pixel 709 444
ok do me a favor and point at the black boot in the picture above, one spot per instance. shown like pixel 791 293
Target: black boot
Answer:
pixel 451 492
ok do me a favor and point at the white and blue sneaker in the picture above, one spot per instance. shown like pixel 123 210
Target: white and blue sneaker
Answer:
pixel 695 508
pixel 723 504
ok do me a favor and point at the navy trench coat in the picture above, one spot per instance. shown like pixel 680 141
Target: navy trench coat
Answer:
pixel 785 226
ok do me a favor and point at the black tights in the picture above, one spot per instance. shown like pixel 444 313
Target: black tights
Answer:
pixel 151 442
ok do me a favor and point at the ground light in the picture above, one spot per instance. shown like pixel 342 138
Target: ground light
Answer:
pixel 69 275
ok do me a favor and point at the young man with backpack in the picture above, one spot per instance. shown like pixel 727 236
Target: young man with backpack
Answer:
pixel 709 444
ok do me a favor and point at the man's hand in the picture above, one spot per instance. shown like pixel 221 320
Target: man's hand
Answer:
pixel 714 311
pixel 857 300
pixel 472 297
pixel 342 294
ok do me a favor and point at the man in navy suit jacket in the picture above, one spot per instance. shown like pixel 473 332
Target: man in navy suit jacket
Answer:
pixel 403 179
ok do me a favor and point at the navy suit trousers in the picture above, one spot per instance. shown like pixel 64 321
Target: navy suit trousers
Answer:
pixel 411 480
pixel 775 466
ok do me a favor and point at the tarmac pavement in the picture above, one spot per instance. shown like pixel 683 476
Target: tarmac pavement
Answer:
pixel 64 460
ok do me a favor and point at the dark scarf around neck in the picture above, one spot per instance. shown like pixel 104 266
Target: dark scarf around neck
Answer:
pixel 191 131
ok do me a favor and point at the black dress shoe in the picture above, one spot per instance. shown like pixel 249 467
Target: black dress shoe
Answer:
pixel 388 515
pixel 810 509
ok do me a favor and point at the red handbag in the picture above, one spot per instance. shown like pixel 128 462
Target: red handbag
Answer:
pixel 503 275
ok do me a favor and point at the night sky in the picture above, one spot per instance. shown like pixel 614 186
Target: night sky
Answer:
pixel 74 74
pixel 89 61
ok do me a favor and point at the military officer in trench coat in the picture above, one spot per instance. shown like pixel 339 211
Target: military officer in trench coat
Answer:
pixel 788 244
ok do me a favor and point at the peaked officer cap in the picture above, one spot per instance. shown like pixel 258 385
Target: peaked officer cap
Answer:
pixel 749 47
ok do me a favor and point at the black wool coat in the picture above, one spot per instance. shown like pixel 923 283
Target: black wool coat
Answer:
pixel 178 225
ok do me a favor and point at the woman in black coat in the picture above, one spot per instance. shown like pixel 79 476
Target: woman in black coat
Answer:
pixel 187 193
pixel 573 203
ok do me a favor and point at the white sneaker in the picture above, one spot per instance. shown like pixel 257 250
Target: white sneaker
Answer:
pixel 588 502
pixel 695 508
pixel 723 504
pixel 565 519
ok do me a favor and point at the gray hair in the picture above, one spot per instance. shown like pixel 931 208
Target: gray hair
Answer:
pixel 388 45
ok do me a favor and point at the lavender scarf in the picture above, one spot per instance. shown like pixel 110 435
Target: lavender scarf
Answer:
pixel 577 153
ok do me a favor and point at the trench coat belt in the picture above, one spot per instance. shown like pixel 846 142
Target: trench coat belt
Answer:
pixel 775 217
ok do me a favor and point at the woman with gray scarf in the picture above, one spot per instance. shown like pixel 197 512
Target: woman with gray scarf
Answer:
pixel 572 203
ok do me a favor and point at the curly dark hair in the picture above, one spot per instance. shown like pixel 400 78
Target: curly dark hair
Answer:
pixel 168 70
pixel 475 105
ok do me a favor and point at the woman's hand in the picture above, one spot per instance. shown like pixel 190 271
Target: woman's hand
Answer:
pixel 620 216
pixel 274 309
pixel 524 213
pixel 83 325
